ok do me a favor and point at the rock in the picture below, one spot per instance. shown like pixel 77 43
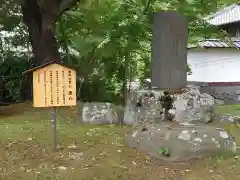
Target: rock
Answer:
pixel 150 110
pixel 225 97
pixel 131 110
pixel 171 114
pixel 191 105
pixel 219 102
pixel 184 141
pixel 228 118
pixel 100 113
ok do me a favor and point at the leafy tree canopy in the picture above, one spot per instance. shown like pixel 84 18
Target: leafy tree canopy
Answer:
pixel 107 41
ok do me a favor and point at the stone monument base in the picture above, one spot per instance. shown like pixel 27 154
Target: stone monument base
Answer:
pixel 189 105
pixel 176 143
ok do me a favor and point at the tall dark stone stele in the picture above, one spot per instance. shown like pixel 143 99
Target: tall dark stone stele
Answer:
pixel 169 50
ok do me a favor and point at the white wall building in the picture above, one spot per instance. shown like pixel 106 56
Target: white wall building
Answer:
pixel 214 64
pixel 215 60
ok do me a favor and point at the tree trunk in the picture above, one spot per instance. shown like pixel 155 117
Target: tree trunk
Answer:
pixel 40 17
pixel 126 76
pixel 41 28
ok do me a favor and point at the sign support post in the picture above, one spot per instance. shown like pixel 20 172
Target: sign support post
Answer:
pixel 54 126
pixel 54 85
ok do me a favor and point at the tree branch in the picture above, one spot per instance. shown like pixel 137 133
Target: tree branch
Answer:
pixel 66 5
pixel 147 6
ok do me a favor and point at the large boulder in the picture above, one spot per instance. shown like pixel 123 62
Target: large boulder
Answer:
pixel 183 142
pixel 189 105
pixel 219 102
pixel 148 112
pixel 131 110
pixel 100 113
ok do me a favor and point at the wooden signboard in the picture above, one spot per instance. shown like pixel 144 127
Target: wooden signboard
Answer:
pixel 54 85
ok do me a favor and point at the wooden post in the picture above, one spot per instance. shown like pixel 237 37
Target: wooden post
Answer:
pixel 54 126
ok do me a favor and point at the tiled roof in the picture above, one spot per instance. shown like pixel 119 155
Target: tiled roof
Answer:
pixel 227 15
pixel 216 43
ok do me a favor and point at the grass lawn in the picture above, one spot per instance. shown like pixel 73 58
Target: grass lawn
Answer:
pixel 86 152
pixel 228 109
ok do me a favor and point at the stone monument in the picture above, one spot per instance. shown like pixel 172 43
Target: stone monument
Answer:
pixel 183 140
pixel 169 59
pixel 169 50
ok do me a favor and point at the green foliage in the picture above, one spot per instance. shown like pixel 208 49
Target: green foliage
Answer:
pixel 164 151
pixel 14 84
pixel 108 42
